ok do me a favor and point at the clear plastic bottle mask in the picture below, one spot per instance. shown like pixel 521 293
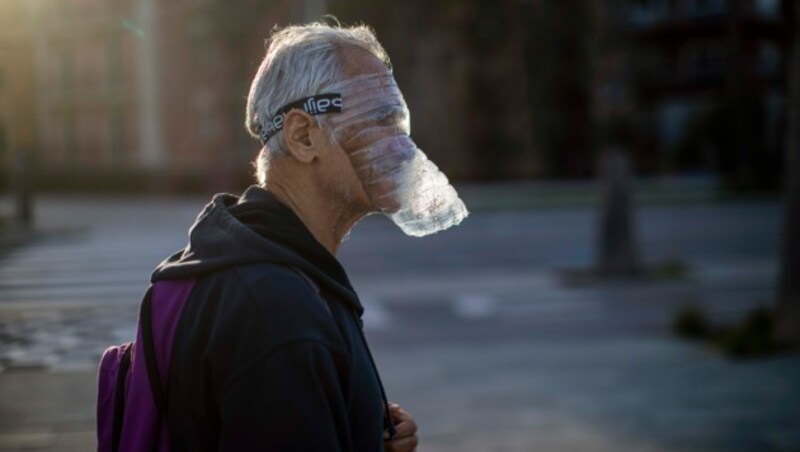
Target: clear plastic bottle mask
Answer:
pixel 373 128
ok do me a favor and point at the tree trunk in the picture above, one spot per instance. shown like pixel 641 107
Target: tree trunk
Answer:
pixel 788 312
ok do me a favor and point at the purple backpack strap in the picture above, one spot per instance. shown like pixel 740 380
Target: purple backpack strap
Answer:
pixel 112 379
pixel 144 427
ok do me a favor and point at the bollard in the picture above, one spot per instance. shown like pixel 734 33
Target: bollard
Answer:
pixel 617 243
pixel 22 191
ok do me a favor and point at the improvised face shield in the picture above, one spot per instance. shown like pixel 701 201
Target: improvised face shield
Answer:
pixel 372 126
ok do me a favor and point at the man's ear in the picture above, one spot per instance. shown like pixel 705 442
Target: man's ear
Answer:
pixel 297 126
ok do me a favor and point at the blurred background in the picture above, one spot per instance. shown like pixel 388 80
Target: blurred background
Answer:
pixel 629 278
pixel 104 95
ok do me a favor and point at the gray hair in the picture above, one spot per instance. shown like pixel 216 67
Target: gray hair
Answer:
pixel 301 61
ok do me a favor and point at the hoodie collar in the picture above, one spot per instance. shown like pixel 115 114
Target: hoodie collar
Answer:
pixel 256 227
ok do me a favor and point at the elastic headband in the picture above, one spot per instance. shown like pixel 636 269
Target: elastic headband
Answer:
pixel 313 105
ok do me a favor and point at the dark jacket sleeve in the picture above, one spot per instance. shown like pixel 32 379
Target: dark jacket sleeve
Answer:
pixel 289 400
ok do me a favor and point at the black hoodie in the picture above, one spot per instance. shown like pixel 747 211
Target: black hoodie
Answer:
pixel 269 352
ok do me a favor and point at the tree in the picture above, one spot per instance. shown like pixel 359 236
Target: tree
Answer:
pixel 559 57
pixel 789 280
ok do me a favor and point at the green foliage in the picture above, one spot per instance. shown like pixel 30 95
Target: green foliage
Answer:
pixel 670 270
pixel 691 322
pixel 753 337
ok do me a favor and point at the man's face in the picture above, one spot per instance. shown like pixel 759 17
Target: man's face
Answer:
pixel 371 146
pixel 339 177
pixel 383 122
pixel 371 134
pixel 384 118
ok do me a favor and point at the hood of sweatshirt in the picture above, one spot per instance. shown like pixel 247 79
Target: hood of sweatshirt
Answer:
pixel 256 227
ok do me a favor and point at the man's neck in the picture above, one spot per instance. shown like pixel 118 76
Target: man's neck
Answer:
pixel 328 223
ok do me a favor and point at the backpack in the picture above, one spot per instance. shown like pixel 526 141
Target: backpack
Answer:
pixel 131 382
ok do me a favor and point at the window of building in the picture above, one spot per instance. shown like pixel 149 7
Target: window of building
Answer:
pixel 117 136
pixel 673 118
pixel 768 8
pixel 53 137
pixel 67 70
pixel 89 65
pixel 3 143
pixel 205 116
pixel 703 61
pixel 769 59
pixel 70 139
pixel 704 8
pixel 114 58
pixel 649 12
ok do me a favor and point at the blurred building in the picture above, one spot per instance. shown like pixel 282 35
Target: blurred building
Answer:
pixel 536 88
pixel 126 93
pixel 209 52
pixel 88 111
pixel 464 69
pixel 128 89
pixel 712 76
pixel 17 86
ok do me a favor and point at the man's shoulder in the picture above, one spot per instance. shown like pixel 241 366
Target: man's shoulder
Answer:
pixel 274 283
pixel 241 315
pixel 279 298
pixel 261 282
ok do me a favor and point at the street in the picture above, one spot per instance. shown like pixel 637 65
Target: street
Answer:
pixel 479 331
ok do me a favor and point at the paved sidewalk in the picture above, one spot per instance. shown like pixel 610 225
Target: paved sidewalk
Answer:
pixel 562 394
pixel 474 330
pixel 44 410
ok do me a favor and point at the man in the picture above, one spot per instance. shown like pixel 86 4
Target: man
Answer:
pixel 269 352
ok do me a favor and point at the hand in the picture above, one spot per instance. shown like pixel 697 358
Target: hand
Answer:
pixel 406 438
